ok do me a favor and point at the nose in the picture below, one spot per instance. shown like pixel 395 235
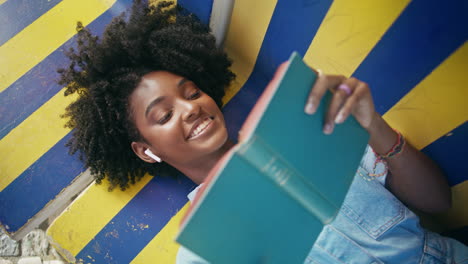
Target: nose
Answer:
pixel 191 111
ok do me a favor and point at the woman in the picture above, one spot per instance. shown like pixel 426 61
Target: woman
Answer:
pixel 149 98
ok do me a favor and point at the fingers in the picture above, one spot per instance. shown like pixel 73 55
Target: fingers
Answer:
pixel 348 106
pixel 341 95
pixel 323 83
pixel 350 96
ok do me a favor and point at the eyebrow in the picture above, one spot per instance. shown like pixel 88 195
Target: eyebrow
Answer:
pixel 161 98
pixel 154 103
pixel 182 82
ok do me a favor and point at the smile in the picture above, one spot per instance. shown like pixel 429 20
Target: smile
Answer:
pixel 200 127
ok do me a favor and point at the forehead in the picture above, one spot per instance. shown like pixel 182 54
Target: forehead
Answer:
pixel 152 86
pixel 157 82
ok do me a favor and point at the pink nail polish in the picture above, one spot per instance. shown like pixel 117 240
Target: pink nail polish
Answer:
pixel 339 118
pixel 327 129
pixel 309 109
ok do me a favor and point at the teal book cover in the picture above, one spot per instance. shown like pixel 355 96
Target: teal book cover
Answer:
pixel 268 198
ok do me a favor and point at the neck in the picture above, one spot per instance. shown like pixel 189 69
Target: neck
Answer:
pixel 198 171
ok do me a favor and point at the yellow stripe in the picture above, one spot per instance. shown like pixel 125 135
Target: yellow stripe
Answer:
pixel 2 1
pixel 436 105
pixel 349 32
pixel 43 36
pixel 244 42
pixel 457 216
pixel 89 213
pixel 33 137
pixel 162 247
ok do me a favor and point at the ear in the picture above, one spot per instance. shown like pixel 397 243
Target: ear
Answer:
pixel 139 148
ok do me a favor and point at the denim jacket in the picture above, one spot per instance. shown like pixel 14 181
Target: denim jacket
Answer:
pixel 373 226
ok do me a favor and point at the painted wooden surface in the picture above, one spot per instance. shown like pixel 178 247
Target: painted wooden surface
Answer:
pixel 413 54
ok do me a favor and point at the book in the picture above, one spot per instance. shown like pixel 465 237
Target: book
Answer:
pixel 268 198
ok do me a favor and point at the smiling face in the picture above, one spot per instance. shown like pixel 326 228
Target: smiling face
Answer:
pixel 180 124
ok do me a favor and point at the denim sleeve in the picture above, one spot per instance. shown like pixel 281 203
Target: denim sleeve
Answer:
pixel 369 165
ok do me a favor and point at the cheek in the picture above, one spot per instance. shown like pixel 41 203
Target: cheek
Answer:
pixel 165 137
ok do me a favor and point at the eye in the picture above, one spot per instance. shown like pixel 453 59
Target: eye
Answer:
pixel 165 118
pixel 194 95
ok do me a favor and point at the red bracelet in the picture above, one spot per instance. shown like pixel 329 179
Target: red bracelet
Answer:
pixel 395 150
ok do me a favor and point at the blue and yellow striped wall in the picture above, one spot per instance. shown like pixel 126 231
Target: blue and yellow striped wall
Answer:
pixel 413 54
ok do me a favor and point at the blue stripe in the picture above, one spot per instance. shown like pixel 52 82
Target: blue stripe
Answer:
pixel 201 8
pixel 138 222
pixel 17 102
pixel 38 85
pixel 292 28
pixel 451 153
pixel 55 169
pixel 15 15
pixel 425 34
pixel 38 185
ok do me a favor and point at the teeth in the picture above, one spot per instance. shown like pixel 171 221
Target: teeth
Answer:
pixel 201 127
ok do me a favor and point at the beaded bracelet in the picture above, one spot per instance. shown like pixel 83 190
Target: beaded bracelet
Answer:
pixel 395 150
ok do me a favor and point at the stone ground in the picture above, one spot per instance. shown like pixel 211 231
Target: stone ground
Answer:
pixel 32 249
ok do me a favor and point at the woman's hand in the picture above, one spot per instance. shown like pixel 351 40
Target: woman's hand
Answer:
pixel 350 96
pixel 413 175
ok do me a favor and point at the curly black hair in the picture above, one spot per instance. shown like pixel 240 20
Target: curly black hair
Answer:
pixel 105 71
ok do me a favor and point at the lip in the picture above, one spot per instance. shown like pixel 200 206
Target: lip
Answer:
pixel 199 121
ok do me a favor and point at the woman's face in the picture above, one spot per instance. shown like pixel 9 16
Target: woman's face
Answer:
pixel 180 123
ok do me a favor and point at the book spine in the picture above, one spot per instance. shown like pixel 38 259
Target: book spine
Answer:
pixel 271 164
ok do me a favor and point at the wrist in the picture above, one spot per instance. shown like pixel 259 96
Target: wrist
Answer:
pixel 382 136
pixel 375 123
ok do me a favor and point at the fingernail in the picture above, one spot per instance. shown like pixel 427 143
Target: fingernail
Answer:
pixel 310 109
pixel 339 118
pixel 327 129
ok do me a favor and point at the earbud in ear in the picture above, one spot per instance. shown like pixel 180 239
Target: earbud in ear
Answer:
pixel 151 154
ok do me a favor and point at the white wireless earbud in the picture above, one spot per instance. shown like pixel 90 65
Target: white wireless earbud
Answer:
pixel 151 154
